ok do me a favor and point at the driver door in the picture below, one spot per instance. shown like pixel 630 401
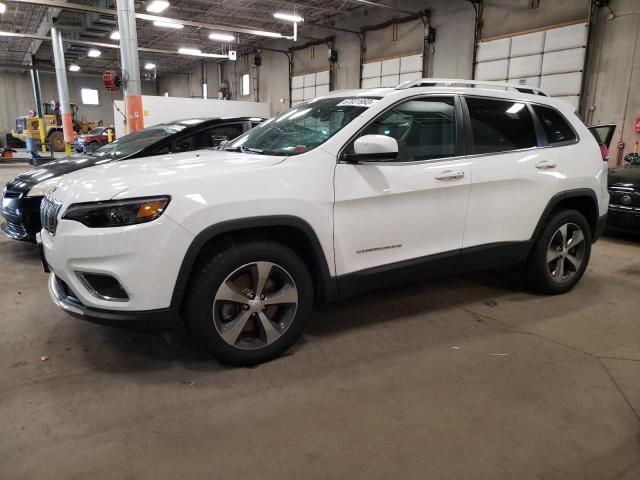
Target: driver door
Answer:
pixel 404 219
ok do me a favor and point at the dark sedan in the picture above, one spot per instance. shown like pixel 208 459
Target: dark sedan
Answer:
pixel 21 197
pixel 624 188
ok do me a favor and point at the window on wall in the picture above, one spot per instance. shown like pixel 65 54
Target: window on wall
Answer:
pixel 500 126
pixel 90 96
pixel 246 84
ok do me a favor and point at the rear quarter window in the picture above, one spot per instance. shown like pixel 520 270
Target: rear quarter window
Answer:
pixel 556 127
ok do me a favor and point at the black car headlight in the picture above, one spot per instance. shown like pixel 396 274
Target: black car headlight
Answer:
pixel 117 213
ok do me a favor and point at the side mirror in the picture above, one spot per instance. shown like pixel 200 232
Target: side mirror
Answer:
pixel 373 148
pixel 632 157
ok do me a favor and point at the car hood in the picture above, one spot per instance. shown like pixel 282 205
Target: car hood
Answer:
pixel 625 176
pixel 155 174
pixel 55 168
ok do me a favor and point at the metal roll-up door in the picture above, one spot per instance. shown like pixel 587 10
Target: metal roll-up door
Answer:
pixel 392 71
pixel 309 86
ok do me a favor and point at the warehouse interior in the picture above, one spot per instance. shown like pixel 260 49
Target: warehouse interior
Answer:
pixel 470 376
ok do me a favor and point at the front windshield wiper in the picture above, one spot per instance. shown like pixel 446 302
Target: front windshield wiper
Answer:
pixel 242 149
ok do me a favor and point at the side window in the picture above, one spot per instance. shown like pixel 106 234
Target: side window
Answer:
pixel 554 124
pixel 500 125
pixel 216 135
pixel 424 128
pixel 161 149
pixel 184 144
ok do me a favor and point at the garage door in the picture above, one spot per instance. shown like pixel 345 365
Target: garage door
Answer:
pixel 309 86
pixel 391 72
pixel 551 59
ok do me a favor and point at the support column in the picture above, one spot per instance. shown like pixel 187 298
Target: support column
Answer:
pixel 130 64
pixel 63 90
pixel 35 82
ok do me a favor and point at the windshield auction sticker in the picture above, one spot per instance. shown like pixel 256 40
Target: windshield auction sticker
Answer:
pixel 357 102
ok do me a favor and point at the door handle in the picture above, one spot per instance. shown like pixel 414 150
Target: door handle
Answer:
pixel 546 165
pixel 450 175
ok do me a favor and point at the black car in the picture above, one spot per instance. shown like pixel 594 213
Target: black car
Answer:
pixel 624 188
pixel 21 197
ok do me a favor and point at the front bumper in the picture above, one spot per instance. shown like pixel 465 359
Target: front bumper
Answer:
pixel 67 300
pixel 144 259
pixel 623 219
pixel 22 217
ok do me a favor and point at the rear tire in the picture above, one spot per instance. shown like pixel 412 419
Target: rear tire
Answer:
pixel 561 253
pixel 249 302
pixel 92 147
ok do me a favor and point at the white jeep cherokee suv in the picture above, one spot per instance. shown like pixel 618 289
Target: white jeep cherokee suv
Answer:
pixel 351 191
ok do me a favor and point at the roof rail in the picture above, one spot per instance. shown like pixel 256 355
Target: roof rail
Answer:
pixel 452 82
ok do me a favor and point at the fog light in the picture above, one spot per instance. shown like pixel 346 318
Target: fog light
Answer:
pixel 103 286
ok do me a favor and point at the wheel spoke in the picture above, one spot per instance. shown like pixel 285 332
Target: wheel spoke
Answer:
pixel 264 270
pixel 270 332
pixel 576 238
pixel 552 254
pixel 563 234
pixel 574 261
pixel 286 295
pixel 227 293
pixel 232 330
pixel 559 271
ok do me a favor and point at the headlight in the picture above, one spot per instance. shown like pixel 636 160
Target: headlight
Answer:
pixel 117 213
pixel 41 189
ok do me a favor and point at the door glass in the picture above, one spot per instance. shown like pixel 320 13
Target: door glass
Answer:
pixel 500 126
pixel 216 135
pixel 184 144
pixel 555 126
pixel 424 128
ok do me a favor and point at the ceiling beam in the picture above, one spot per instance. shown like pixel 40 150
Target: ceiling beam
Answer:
pixel 151 18
pixel 380 5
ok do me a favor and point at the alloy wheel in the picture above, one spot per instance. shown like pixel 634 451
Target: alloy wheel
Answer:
pixel 255 305
pixel 565 253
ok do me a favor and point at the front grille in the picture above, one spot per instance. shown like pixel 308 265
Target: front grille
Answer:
pixel 66 292
pixel 625 198
pixel 6 193
pixel 49 210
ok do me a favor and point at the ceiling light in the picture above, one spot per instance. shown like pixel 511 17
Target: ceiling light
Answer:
pixel 149 66
pixel 189 51
pixel 115 35
pixel 157 6
pixel 160 23
pixel 224 37
pixel 3 7
pixel 289 17
pixel 74 68
pixel 94 53
pixel 262 33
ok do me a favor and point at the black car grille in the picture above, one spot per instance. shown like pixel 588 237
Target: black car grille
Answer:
pixel 14 230
pixel 625 198
pixel 66 292
pixel 49 210
pixel 6 193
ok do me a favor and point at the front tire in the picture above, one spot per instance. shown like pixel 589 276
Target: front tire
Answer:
pixel 561 253
pixel 249 302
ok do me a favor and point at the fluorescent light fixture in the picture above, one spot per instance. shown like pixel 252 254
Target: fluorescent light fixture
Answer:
pixel 74 68
pixel 224 37
pixel 149 66
pixel 115 35
pixel 3 8
pixel 190 51
pixel 262 33
pixel 94 53
pixel 288 17
pixel 160 23
pixel 157 6
pixel 515 108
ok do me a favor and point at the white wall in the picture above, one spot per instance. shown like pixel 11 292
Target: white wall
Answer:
pixel 164 109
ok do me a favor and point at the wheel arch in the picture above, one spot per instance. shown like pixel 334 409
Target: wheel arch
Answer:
pixel 291 231
pixel 583 200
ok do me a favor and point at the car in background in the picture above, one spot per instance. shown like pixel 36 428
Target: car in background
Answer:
pixel 93 140
pixel 22 196
pixel 624 190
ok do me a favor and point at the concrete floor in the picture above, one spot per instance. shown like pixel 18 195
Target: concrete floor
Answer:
pixel 461 378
